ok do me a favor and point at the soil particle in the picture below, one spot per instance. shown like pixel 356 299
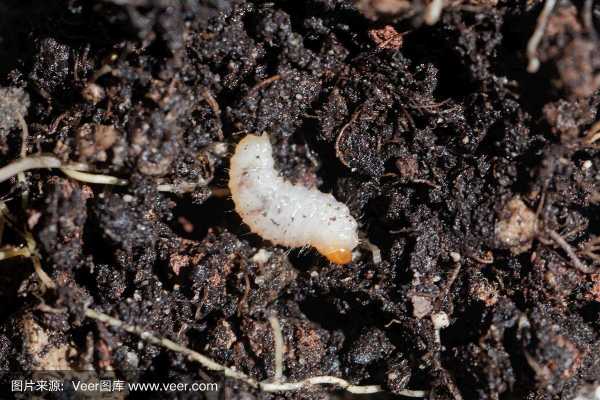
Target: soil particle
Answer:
pixel 60 230
pixel 568 117
pixel 516 226
pixel 386 37
pixel 14 102
pixel 93 142
pixel 398 374
pixel 494 374
pixel 573 52
pixel 45 352
pixel 421 306
pixel 371 346
pixel 115 216
pixel 52 67
pixel 278 106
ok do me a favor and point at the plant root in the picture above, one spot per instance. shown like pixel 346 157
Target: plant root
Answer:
pixel 47 161
pixel 212 365
pixel 538 34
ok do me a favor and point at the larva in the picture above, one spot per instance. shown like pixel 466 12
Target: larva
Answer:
pixel 287 214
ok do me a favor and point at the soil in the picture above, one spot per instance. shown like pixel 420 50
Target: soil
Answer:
pixel 457 163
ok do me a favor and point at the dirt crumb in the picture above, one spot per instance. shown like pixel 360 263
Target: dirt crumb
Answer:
pixel 516 226
pixel 14 104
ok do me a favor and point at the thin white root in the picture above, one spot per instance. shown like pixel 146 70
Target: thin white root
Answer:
pixel 93 178
pixel 232 373
pixel 44 278
pixel 171 345
pixel 29 251
pixel 538 34
pixel 26 164
pixel 40 162
pixel 279 347
pixel 35 260
pixel 320 380
pixel 11 252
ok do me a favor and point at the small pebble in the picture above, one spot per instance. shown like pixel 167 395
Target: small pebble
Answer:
pixel 440 320
pixel 421 306
pixel 261 256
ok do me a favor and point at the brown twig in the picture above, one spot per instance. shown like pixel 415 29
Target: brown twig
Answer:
pixel 263 83
pixel 488 260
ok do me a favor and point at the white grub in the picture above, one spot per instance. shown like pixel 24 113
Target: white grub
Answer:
pixel 287 214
